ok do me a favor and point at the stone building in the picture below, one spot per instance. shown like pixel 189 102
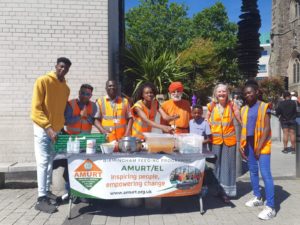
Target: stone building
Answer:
pixel 285 41
pixel 33 34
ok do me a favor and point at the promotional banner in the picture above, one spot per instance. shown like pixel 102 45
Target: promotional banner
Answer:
pixel 140 175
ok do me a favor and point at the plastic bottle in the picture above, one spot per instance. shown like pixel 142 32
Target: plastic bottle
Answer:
pixel 70 145
pixel 76 145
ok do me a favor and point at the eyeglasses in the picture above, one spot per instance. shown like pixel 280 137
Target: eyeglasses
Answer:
pixel 85 94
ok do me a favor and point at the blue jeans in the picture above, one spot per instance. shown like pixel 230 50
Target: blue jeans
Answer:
pixel 265 169
pixel 43 149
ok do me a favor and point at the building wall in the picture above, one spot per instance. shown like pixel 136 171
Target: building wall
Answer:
pixel 33 34
pixel 264 61
pixel 285 39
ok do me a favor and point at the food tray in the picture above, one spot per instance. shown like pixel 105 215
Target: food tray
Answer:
pixel 60 145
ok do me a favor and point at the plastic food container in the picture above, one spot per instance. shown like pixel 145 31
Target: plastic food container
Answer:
pixel 159 142
pixel 189 143
pixel 107 148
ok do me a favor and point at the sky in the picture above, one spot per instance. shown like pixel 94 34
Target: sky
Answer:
pixel 233 8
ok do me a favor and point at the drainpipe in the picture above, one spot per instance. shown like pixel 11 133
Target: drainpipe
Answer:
pixel 121 34
pixel 298 144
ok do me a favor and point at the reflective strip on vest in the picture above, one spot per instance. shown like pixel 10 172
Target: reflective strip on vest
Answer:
pixel 110 114
pixel 259 128
pixel 222 128
pixel 139 126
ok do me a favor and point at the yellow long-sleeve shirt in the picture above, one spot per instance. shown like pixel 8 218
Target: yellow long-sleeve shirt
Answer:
pixel 49 101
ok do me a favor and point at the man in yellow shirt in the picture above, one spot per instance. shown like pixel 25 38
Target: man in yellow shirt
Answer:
pixel 50 96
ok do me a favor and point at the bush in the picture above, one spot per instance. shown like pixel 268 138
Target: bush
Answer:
pixel 272 88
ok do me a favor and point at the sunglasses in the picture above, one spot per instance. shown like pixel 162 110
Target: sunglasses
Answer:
pixel 85 94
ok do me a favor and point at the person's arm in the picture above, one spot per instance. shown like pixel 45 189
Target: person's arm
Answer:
pixel 166 117
pixel 278 110
pixel 129 126
pixel 97 124
pixel 237 113
pixel 264 136
pixel 207 133
pixel 207 140
pixel 208 112
pixel 142 115
pixel 129 121
pixel 38 116
pixel 91 118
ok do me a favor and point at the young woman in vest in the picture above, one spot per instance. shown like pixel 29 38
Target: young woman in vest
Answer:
pixel 256 148
pixel 220 115
pixel 144 112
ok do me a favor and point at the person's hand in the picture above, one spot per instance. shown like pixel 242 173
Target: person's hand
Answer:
pixel 257 154
pixel 103 131
pixel 175 117
pixel 242 151
pixel 168 129
pixel 83 112
pixel 51 134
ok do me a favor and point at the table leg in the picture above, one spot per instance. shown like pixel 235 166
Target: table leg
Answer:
pixel 70 206
pixel 201 205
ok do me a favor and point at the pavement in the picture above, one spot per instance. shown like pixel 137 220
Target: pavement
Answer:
pixel 18 198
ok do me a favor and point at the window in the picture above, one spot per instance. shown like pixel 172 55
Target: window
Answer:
pixel 296 71
pixel 294 9
pixel 262 68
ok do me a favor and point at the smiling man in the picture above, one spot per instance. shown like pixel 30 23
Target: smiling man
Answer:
pixel 49 99
pixel 114 117
pixel 176 106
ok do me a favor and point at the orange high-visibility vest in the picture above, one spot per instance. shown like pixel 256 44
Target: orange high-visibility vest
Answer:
pixel 139 126
pixel 113 116
pixel 259 128
pixel 222 127
pixel 82 126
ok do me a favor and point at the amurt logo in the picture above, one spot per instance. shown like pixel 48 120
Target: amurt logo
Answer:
pixel 88 174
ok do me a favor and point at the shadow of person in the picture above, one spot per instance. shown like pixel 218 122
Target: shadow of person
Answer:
pixel 280 196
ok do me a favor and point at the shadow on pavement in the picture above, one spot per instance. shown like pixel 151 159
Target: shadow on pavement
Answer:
pixel 83 213
pixel 20 184
pixel 280 196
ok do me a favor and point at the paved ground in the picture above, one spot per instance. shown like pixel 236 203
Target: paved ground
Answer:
pixel 17 205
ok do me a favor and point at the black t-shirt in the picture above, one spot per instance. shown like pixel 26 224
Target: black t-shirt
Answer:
pixel 287 110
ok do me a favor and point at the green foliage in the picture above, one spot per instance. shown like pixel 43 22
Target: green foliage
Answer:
pixel 272 88
pixel 157 30
pixel 159 24
pixel 147 65
pixel 213 23
pixel 200 61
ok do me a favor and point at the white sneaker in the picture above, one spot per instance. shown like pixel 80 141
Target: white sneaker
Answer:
pixel 267 213
pixel 254 202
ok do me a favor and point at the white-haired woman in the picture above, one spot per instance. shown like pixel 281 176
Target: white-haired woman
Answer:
pixel 221 113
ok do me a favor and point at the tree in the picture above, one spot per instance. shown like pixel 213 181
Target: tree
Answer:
pixel 272 88
pixel 200 61
pixel 248 43
pixel 144 64
pixel 213 23
pixel 158 24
